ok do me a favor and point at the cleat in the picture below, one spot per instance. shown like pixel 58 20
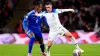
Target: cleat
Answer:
pixel 44 54
pixel 81 50
pixel 29 55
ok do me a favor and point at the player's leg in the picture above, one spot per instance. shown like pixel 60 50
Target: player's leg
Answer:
pixel 51 38
pixel 31 41
pixel 49 44
pixel 39 37
pixel 42 47
pixel 68 34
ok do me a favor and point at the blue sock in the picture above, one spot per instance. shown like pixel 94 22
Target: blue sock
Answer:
pixel 42 47
pixel 30 45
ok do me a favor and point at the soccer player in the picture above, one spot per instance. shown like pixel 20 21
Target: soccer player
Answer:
pixel 32 27
pixel 55 26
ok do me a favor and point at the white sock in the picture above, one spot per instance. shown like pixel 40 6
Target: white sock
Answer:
pixel 46 48
pixel 74 41
pixel 29 53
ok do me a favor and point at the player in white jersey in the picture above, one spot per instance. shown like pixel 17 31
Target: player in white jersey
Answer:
pixel 55 26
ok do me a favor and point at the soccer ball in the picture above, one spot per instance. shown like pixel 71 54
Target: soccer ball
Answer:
pixel 76 52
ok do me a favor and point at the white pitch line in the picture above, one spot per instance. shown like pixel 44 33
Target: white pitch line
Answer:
pixel 70 54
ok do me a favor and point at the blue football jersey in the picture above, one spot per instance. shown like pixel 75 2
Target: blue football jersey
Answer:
pixel 32 21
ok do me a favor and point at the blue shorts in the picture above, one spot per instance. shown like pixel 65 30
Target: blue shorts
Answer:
pixel 36 32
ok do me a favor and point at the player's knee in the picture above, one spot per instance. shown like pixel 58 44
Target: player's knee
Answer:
pixel 50 43
pixel 41 42
pixel 32 37
pixel 70 36
pixel 31 34
pixel 31 41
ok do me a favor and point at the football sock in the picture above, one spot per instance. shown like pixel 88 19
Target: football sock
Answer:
pixel 47 48
pixel 30 45
pixel 74 41
pixel 42 47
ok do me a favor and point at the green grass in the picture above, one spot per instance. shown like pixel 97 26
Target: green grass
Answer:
pixel 56 50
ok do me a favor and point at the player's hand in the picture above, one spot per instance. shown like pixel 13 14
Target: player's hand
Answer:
pixel 26 30
pixel 72 10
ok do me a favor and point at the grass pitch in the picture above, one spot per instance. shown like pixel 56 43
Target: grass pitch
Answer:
pixel 56 50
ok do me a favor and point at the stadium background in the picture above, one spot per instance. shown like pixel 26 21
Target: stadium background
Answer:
pixel 84 24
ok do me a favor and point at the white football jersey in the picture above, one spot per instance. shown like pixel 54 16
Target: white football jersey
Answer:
pixel 54 24
pixel 53 18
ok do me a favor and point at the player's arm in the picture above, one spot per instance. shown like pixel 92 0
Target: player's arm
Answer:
pixel 40 14
pixel 43 18
pixel 25 23
pixel 45 21
pixel 64 10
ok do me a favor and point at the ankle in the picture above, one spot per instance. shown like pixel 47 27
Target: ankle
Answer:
pixel 29 53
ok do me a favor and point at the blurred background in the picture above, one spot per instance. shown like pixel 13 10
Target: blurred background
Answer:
pixel 84 25
pixel 85 20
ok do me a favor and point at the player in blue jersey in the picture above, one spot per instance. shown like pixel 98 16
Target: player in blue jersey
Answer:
pixel 32 27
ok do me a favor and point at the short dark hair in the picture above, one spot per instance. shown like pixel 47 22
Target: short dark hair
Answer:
pixel 47 3
pixel 38 3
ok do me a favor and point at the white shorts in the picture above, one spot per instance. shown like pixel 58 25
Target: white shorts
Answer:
pixel 54 32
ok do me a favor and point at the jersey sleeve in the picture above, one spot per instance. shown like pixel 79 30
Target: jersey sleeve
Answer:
pixel 45 21
pixel 63 10
pixel 24 23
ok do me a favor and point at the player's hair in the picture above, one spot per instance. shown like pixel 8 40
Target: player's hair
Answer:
pixel 38 3
pixel 47 3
